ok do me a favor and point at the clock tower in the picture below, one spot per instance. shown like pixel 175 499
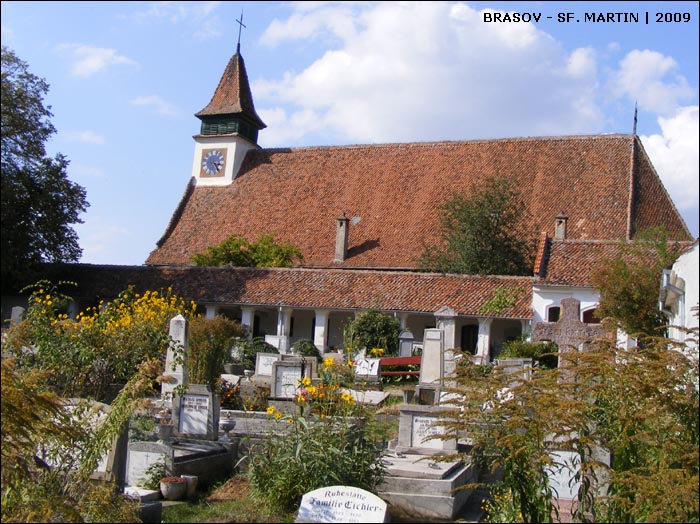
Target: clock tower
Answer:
pixel 229 128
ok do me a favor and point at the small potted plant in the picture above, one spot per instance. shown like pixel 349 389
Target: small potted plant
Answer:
pixel 173 488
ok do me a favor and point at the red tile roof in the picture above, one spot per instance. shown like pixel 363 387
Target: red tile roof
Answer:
pixel 232 95
pixel 569 262
pixel 302 288
pixel 396 190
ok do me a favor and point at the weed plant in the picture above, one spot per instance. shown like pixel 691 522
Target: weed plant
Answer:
pixel 327 443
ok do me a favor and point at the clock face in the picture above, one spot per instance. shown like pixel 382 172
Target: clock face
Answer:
pixel 213 162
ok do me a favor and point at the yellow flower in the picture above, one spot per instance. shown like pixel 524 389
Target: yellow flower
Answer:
pixel 328 361
pixel 270 410
pixel 376 352
pixel 305 381
pixel 278 415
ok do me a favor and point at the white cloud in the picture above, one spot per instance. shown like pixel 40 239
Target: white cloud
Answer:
pixel 197 15
pixel 649 78
pixel 582 63
pixel 158 104
pixel 408 71
pixel 86 137
pixel 312 21
pixel 674 153
pixel 88 60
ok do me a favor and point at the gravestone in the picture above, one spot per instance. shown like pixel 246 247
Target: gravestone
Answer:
pixel 263 367
pixel 519 369
pixel 341 504
pixel 406 342
pixel 416 425
pixel 196 413
pixel 17 314
pixel 174 367
pixel 569 333
pixel 310 363
pixel 112 464
pixel 432 367
pixel 143 455
pixel 419 481
pixel 368 369
pixel 286 375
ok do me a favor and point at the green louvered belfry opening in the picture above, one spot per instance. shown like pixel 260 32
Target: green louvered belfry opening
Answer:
pixel 227 126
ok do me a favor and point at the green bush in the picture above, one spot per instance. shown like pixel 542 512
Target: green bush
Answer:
pixel 306 348
pixel 209 348
pixel 545 353
pixel 248 349
pixel 373 329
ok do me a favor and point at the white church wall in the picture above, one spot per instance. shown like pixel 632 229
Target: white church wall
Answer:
pixel 686 267
pixel 544 297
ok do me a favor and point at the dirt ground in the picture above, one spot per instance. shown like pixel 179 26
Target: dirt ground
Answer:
pixel 235 488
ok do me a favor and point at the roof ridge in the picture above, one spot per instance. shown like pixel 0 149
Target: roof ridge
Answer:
pixel 452 142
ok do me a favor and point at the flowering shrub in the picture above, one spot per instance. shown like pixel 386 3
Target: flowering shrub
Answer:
pixel 328 443
pixel 326 397
pixel 101 346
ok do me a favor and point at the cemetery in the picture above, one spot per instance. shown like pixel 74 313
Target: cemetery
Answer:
pixel 374 452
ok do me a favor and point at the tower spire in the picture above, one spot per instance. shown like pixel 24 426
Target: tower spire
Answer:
pixel 634 127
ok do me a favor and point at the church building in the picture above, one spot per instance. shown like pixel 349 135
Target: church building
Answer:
pixel 362 215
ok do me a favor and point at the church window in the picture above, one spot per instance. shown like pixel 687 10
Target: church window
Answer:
pixel 589 316
pixel 553 313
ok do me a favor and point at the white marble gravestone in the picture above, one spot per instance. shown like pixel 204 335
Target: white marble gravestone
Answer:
pixel 177 371
pixel 286 375
pixel 196 413
pixel 431 366
pixel 263 367
pixel 341 504
pixel 417 424
pixel 368 369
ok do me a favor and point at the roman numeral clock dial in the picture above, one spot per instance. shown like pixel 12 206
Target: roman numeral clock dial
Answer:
pixel 213 162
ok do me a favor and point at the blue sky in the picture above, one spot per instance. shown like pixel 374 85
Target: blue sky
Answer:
pixel 127 77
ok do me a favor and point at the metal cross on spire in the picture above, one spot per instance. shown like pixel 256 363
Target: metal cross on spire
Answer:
pixel 240 26
pixel 634 127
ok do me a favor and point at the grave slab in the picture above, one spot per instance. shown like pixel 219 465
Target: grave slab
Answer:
pixel 419 488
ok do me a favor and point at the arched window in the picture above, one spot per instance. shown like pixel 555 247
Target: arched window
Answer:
pixel 553 313
pixel 589 316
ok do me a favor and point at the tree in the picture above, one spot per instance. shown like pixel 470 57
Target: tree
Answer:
pixel 239 252
pixel 629 283
pixel 39 203
pixel 480 235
